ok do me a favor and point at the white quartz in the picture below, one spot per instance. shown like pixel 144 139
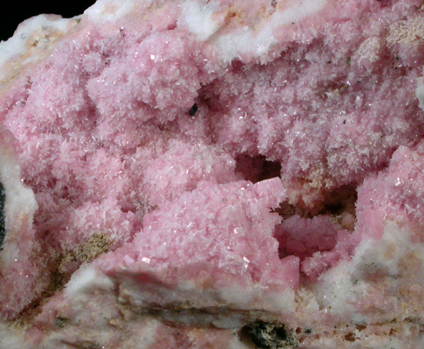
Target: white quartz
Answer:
pixel 16 45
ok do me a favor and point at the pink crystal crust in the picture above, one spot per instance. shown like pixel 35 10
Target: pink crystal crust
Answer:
pixel 179 172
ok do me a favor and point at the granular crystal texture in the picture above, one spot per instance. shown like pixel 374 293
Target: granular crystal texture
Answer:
pixel 214 174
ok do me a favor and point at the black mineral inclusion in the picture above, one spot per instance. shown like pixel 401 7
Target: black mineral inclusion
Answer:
pixel 270 336
pixel 193 110
pixel 2 215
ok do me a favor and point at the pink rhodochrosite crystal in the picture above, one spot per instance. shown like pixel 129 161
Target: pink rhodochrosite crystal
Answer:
pixel 214 174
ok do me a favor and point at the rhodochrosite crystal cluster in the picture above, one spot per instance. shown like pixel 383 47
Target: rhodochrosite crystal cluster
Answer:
pixel 214 174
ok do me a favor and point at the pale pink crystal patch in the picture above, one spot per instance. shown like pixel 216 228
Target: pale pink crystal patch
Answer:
pixel 214 174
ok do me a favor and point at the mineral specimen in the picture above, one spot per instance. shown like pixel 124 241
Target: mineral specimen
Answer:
pixel 214 174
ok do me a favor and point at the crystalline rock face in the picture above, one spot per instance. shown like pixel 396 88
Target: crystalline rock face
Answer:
pixel 214 174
